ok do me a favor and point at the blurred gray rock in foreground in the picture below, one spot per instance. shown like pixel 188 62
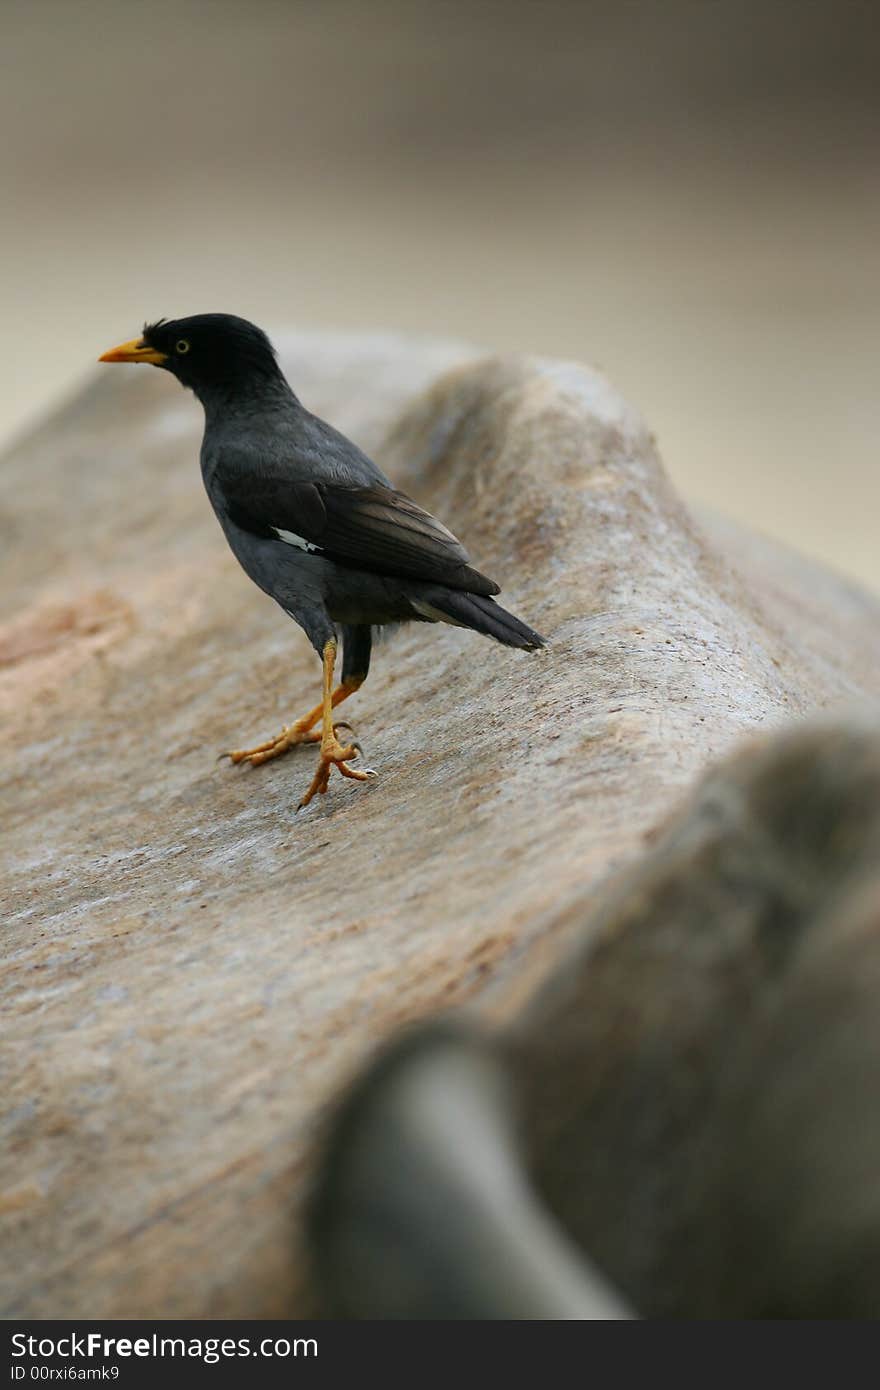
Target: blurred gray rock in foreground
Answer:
pixel 690 1098
pixel 191 971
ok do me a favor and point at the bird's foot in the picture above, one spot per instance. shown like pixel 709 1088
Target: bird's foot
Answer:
pixel 334 755
pixel 291 736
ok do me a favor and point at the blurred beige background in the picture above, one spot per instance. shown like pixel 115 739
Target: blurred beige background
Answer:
pixel 686 194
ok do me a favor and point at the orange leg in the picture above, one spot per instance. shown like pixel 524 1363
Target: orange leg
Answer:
pixel 303 731
pixel 332 752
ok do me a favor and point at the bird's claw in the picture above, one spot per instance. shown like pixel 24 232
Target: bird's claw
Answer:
pixel 335 755
pixel 290 737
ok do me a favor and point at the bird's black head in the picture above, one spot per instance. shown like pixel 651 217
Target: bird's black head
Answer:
pixel 210 353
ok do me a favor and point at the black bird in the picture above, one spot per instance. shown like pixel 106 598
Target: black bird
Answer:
pixel 314 522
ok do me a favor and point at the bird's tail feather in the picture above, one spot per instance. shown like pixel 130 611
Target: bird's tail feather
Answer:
pixel 482 614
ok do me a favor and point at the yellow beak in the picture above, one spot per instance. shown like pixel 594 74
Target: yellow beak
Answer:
pixel 135 351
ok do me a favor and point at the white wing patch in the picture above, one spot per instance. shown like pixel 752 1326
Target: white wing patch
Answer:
pixel 291 538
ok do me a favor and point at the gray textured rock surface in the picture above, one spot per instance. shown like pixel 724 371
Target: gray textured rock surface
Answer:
pixel 694 1078
pixel 687 1104
pixel 189 969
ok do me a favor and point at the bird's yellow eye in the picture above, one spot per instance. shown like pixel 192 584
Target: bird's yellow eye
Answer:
pixel 181 346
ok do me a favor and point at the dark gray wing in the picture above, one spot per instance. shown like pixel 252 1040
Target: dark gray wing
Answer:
pixel 369 528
